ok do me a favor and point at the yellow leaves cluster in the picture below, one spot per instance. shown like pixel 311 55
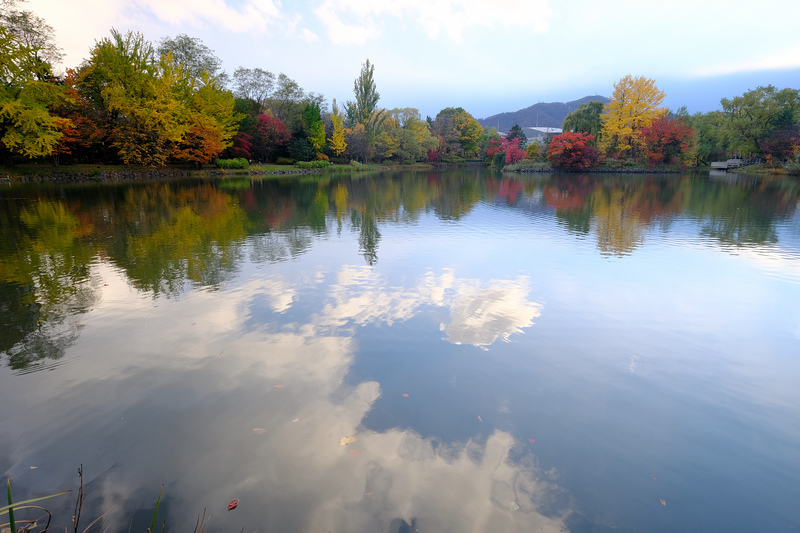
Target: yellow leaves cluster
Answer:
pixel 636 102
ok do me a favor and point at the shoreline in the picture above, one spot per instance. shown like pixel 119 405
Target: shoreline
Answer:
pixel 132 175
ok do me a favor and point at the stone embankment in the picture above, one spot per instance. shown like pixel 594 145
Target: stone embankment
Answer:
pixel 134 175
pixel 638 170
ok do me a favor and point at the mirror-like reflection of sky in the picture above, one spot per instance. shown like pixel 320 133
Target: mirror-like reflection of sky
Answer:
pixel 509 355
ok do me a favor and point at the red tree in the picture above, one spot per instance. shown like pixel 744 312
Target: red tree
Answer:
pixel 665 140
pixel 269 138
pixel 508 147
pixel 571 151
pixel 242 144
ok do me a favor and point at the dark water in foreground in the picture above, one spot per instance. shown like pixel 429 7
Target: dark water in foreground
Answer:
pixel 452 352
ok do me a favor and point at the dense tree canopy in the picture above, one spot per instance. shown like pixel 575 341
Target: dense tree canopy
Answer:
pixel 572 151
pixel 28 127
pixel 191 54
pixel 585 119
pixel 636 102
pixel 757 114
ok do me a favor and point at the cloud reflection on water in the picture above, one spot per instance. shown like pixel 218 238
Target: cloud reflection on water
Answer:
pixel 478 315
pixel 188 420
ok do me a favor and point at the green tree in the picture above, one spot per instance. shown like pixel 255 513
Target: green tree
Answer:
pixel 585 119
pixel 254 85
pixel 756 114
pixel 315 129
pixel 460 133
pixel 366 95
pixel 32 33
pixel 27 126
pixel 192 55
pixel 516 133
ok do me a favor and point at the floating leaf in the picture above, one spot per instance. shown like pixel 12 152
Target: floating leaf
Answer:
pixel 233 504
pixel 405 395
pixel 296 420
pixel 513 506
pixel 532 440
pixel 259 431
pixel 344 441
pixel 663 502
pixel 34 467
pixel 354 453
pixel 480 419
pixel 280 386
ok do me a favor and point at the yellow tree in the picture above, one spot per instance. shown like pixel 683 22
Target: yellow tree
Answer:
pixel 27 126
pixel 336 140
pixel 211 120
pixel 152 119
pixel 634 105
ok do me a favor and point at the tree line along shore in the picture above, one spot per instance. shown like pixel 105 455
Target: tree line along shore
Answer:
pixel 168 104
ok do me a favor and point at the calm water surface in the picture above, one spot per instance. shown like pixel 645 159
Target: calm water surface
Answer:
pixel 432 352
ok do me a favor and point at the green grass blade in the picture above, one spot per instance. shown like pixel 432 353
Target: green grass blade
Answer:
pixel 7 508
pixel 11 522
pixel 158 502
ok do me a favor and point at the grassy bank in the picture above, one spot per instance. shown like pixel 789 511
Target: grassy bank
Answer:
pixel 37 172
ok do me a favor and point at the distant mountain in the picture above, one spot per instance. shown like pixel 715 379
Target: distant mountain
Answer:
pixel 548 115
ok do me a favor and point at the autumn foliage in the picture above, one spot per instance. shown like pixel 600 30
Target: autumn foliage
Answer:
pixel 269 138
pixel 571 151
pixel 665 140
pixel 509 147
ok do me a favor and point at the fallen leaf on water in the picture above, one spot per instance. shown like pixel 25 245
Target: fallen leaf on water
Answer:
pixel 344 441
pixel 663 502
pixel 513 506
pixel 368 494
pixel 405 395
pixel 480 419
pixel 34 467
pixel 296 420
pixel 259 431
pixel 354 453
pixel 655 476
pixel 280 386
pixel 532 441
pixel 232 505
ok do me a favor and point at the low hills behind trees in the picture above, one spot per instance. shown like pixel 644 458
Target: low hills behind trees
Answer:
pixel 545 115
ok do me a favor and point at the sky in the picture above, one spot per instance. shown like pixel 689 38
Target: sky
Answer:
pixel 487 56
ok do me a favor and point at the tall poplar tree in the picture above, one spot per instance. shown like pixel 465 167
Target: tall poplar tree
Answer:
pixel 366 95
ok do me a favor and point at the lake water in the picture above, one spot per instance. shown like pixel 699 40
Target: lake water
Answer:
pixel 459 351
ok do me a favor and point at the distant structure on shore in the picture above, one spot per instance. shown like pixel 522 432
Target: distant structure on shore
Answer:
pixel 542 115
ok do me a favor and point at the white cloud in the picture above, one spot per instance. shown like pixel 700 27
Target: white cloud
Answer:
pixel 785 59
pixel 452 18
pixel 342 33
pixel 253 15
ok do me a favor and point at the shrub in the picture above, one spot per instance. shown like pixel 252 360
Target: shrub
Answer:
pixel 311 165
pixel 571 151
pixel 236 163
pixel 285 161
